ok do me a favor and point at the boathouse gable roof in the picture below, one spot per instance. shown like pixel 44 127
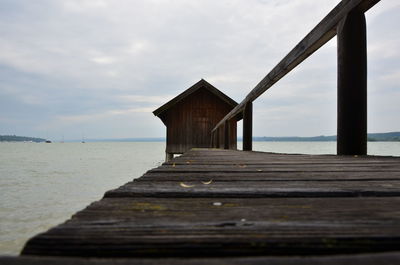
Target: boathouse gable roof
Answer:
pixel 199 85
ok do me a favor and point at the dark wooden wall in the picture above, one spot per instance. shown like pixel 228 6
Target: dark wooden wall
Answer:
pixel 232 136
pixel 190 121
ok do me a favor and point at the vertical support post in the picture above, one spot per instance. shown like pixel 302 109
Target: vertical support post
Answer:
pixel 217 142
pixel 352 85
pixel 226 135
pixel 248 127
pixel 168 156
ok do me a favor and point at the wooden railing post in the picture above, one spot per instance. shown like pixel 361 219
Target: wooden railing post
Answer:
pixel 226 135
pixel 217 142
pixel 168 157
pixel 248 127
pixel 352 85
pixel 347 21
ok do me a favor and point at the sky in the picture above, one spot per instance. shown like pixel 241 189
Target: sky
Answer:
pixel 98 68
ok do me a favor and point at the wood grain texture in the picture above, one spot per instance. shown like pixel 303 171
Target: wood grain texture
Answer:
pixel 227 226
pixel 389 258
pixel 190 117
pixel 208 203
pixel 248 127
pixel 352 85
pixel 269 176
pixel 256 189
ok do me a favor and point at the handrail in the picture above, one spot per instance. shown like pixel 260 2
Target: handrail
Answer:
pixel 321 34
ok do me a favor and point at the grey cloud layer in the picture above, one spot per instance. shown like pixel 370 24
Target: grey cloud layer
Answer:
pixel 100 66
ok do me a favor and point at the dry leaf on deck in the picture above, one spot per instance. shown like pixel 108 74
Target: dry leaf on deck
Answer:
pixel 207 182
pixel 185 185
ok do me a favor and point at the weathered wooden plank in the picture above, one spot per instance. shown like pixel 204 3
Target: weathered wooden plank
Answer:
pixel 250 164
pixel 233 159
pixel 254 189
pixel 245 169
pixel 357 259
pixel 269 176
pixel 233 155
pixel 277 164
pixel 227 226
pixel 232 162
pixel 239 210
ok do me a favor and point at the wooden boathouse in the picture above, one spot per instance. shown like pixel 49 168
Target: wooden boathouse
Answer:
pixel 191 116
pixel 224 206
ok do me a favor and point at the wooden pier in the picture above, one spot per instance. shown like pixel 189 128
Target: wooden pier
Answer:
pixel 216 206
pixel 225 205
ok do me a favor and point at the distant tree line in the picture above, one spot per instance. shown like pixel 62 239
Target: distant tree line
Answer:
pixel 14 138
pixel 372 137
pixel 384 137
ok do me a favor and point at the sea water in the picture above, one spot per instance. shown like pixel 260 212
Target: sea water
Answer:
pixel 42 185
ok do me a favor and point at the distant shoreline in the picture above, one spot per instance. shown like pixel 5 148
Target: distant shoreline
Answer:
pixel 372 137
pixel 15 138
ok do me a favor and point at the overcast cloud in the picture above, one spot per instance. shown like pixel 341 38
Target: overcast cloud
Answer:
pixel 100 67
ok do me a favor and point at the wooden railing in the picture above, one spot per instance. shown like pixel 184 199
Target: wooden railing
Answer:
pixel 347 21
